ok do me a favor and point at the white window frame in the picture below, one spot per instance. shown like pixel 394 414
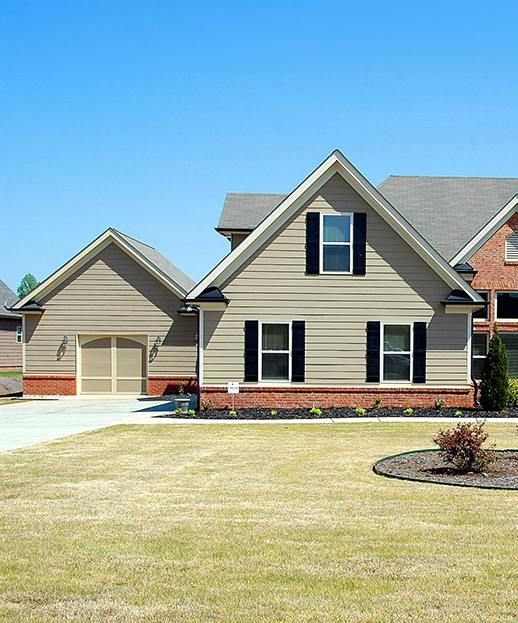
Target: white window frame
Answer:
pixel 473 356
pixel 508 259
pixel 260 350
pixel 19 334
pixel 496 305
pixel 488 292
pixel 336 244
pixel 401 352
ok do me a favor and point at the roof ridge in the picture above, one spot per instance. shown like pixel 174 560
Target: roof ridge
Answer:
pixel 258 194
pixel 132 238
pixel 454 177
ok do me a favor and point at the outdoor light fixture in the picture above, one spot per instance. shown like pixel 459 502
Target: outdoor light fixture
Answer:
pixel 158 341
pixel 64 341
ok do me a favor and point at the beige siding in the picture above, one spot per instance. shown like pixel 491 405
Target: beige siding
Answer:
pixel 10 349
pixel 398 287
pixel 110 294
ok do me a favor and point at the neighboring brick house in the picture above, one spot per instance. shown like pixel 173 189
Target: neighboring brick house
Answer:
pixel 10 331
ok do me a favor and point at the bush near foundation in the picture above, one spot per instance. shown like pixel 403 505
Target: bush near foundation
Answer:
pixel 494 385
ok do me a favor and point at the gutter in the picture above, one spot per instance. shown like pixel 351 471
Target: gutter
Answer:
pixel 189 309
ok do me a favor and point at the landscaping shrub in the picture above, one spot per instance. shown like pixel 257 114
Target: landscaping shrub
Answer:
pixel 376 403
pixel 512 400
pixel 494 385
pixel 360 411
pixel 462 447
pixel 438 403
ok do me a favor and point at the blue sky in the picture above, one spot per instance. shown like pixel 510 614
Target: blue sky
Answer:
pixel 142 115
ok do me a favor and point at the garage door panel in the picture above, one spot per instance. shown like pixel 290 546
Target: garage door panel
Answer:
pixel 131 386
pixel 97 386
pixel 97 357
pixel 130 358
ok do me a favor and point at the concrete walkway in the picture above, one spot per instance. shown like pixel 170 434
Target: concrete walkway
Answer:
pixel 35 421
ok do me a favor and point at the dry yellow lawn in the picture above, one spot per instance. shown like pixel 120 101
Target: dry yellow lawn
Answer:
pixel 249 523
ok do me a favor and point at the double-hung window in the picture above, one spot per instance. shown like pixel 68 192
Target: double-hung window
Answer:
pixel 19 335
pixel 396 360
pixel 275 351
pixel 507 306
pixel 479 346
pixel 336 243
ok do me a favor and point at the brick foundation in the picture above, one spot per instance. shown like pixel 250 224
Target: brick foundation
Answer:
pixel 163 385
pixel 49 385
pixel 292 397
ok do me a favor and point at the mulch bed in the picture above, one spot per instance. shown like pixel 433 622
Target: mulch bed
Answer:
pixel 299 414
pixel 428 466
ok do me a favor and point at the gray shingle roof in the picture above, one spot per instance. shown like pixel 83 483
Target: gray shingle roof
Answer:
pixel 7 296
pixel 247 210
pixel 161 262
pixel 447 211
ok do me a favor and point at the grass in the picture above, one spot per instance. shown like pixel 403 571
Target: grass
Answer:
pixel 249 523
pixel 7 374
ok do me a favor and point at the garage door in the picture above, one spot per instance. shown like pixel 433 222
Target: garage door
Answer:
pixel 113 364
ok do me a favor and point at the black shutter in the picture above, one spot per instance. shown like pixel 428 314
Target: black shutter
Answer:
pixel 251 350
pixel 312 243
pixel 419 371
pixel 373 352
pixel 298 347
pixel 359 242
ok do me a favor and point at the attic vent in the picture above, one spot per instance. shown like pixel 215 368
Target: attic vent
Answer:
pixel 511 247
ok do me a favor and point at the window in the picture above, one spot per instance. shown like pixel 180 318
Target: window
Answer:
pixel 275 347
pixel 397 352
pixel 510 341
pixel 482 314
pixel 19 335
pixel 511 247
pixel 479 346
pixel 336 244
pixel 507 305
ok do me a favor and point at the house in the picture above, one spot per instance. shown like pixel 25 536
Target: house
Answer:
pixel 109 322
pixel 10 331
pixel 334 294
pixel 331 296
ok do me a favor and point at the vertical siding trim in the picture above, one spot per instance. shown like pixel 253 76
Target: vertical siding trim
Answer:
pixel 201 345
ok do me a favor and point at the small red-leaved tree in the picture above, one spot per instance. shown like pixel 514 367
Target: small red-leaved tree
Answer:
pixel 462 447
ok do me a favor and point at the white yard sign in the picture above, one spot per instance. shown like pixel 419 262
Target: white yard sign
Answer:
pixel 233 387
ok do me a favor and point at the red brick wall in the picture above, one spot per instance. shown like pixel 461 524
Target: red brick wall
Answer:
pixel 49 385
pixel 66 385
pixel 291 397
pixel 495 274
pixel 162 385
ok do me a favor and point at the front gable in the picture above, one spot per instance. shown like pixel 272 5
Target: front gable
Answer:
pixel 494 270
pixel 335 165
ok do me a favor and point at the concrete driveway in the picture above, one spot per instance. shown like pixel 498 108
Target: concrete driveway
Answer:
pixel 27 423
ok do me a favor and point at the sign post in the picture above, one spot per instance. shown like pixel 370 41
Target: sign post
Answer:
pixel 233 389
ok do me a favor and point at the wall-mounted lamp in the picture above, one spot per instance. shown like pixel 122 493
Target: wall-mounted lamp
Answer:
pixel 64 341
pixel 158 341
